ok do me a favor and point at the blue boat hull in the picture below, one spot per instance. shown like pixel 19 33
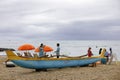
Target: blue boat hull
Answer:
pixel 50 62
pixel 46 64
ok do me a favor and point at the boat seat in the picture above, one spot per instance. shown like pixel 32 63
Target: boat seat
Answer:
pixel 18 54
pixel 27 54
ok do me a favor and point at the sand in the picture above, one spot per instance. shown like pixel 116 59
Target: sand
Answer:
pixel 100 72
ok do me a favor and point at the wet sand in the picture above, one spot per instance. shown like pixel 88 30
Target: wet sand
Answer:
pixel 100 72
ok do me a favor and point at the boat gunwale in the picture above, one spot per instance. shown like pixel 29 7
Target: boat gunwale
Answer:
pixel 12 56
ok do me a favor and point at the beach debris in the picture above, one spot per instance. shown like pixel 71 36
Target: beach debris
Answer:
pixel 9 64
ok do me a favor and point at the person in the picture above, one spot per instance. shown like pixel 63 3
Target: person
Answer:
pixel 110 57
pixel 106 55
pixel 110 51
pixel 58 50
pixel 89 52
pixel 100 51
pixel 41 52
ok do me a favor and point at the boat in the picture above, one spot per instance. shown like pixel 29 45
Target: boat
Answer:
pixel 39 63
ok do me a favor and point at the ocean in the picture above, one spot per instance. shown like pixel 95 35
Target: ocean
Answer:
pixel 68 47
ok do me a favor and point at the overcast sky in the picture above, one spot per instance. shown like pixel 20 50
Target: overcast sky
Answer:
pixel 60 19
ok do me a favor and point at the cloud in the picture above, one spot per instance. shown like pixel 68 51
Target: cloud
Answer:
pixel 60 19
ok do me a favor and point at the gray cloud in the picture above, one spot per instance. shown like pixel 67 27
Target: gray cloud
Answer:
pixel 60 20
pixel 108 29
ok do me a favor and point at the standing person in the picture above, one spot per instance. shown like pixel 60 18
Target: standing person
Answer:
pixel 89 52
pixel 106 55
pixel 41 53
pixel 110 51
pixel 110 57
pixel 58 50
pixel 100 51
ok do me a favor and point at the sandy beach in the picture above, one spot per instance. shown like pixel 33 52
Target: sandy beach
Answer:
pixel 100 72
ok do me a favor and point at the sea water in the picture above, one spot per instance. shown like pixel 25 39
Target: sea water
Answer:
pixel 67 47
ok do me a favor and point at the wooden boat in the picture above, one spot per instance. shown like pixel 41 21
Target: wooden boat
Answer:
pixel 39 63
